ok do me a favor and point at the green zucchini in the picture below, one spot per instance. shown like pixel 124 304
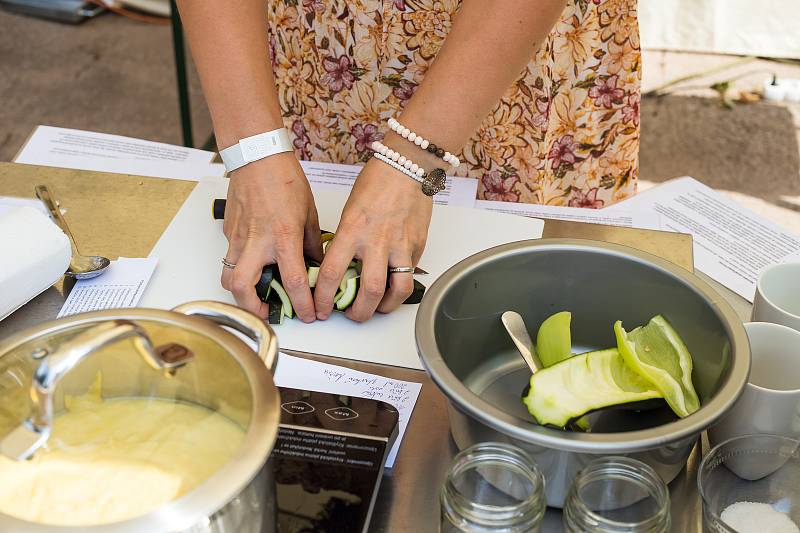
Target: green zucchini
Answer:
pixel 275 312
pixel 348 295
pixel 263 286
pixel 583 383
pixel 554 340
pixel 284 298
pixel 657 353
pixel 350 273
pixel 313 274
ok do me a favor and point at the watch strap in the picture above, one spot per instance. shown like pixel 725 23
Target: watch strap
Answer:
pixel 256 147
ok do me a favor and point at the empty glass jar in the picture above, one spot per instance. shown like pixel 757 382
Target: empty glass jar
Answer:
pixel 492 487
pixel 617 495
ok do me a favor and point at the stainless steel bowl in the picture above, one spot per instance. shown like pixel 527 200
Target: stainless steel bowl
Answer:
pixel 464 347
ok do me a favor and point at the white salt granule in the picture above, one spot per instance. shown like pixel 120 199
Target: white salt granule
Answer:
pixel 752 517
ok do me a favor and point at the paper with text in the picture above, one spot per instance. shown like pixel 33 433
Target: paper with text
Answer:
pixel 102 152
pixel 305 374
pixel 121 285
pixel 732 245
pixel 629 219
pixel 458 191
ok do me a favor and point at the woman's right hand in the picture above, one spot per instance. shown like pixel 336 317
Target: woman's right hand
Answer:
pixel 270 217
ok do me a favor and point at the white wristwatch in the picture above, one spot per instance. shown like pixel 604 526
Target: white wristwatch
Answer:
pixel 256 147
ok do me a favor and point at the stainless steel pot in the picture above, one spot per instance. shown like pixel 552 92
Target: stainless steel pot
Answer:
pixel 464 347
pixel 179 355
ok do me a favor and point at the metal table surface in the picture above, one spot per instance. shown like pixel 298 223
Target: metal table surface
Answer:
pixel 135 210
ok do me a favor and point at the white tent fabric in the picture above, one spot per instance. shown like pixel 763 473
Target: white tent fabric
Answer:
pixel 768 28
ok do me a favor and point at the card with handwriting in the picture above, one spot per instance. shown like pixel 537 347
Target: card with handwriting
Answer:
pixel 299 373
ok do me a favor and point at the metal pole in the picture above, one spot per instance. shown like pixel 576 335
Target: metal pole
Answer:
pixel 180 73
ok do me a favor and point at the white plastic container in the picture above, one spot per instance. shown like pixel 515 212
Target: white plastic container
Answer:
pixel 34 254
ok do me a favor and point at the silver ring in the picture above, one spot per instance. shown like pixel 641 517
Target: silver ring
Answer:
pixel 228 264
pixel 401 270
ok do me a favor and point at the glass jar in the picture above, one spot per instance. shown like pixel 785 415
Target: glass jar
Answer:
pixel 617 495
pixel 492 487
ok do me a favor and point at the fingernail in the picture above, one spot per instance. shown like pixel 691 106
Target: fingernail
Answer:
pixel 322 316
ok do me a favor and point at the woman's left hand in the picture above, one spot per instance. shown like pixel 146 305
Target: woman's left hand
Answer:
pixel 384 224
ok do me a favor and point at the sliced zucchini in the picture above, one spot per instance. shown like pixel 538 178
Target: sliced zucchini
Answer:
pixel 416 296
pixel 582 383
pixel 348 295
pixel 285 302
pixel 350 273
pixel 554 340
pixel 275 313
pixel 657 353
pixel 263 286
pixel 313 274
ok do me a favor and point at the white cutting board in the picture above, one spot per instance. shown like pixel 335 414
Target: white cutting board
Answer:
pixel 189 268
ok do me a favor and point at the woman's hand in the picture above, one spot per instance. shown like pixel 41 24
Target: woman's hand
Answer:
pixel 384 224
pixel 270 217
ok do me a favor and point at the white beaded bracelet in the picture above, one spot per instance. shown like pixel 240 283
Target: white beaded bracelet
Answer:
pixel 398 160
pixel 425 144
pixel 401 168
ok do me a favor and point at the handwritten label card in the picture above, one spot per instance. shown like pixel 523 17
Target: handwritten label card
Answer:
pixel 299 373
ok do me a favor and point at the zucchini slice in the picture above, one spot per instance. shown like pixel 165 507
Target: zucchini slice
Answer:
pixel 416 296
pixel 657 353
pixel 348 294
pixel 350 273
pixel 285 302
pixel 263 287
pixel 275 314
pixel 572 388
pixel 313 274
pixel 554 340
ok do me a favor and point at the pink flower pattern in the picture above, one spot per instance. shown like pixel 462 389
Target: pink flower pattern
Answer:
pixel 272 57
pixel 337 73
pixel 301 140
pixel 606 93
pixel 588 199
pixel 562 151
pixel 313 5
pixel 630 113
pixel 364 135
pixel 543 116
pixel 404 91
pixel 499 187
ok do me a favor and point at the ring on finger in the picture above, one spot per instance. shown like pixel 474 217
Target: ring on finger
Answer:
pixel 228 264
pixel 401 270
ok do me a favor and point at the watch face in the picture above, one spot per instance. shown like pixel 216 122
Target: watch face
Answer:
pixel 434 182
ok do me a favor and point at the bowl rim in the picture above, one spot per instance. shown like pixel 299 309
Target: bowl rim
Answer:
pixel 674 432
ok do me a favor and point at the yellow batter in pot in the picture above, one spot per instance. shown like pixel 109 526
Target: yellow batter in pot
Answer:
pixel 108 461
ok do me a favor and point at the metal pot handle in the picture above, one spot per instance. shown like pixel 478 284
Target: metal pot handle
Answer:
pixel 29 436
pixel 240 320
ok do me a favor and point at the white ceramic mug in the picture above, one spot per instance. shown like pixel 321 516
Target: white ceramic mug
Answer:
pixel 777 298
pixel 770 402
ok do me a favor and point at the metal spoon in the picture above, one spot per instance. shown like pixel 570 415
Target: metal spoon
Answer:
pixel 515 326
pixel 516 329
pixel 80 266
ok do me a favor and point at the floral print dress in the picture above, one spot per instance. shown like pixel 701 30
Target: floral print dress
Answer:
pixel 565 133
